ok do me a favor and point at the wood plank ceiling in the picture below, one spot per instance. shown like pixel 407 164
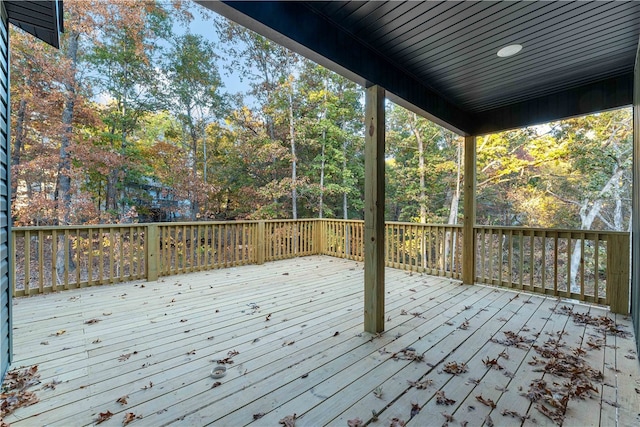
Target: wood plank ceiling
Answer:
pixel 577 57
pixel 42 19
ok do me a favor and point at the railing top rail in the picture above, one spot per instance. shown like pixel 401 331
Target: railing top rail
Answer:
pixel 552 230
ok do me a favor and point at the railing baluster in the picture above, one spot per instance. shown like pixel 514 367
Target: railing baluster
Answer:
pixel 27 262
pixel 568 293
pixel 596 267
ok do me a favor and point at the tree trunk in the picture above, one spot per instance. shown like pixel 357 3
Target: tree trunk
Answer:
pixel 587 216
pixel 294 161
pixel 18 143
pixel 64 165
pixel 423 192
pixel 345 206
pixel 322 159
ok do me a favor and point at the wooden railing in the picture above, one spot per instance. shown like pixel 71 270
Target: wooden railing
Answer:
pixel 434 249
pixel 590 266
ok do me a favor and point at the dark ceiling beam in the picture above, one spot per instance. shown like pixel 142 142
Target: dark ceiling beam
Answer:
pixel 603 95
pixel 295 26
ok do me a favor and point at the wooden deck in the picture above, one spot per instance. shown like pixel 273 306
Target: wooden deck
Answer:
pixel 293 330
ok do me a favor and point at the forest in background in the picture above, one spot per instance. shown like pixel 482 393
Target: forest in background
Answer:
pixel 130 121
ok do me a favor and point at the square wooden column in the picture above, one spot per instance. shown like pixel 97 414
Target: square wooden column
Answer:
pixel 374 210
pixel 468 235
pixel 635 207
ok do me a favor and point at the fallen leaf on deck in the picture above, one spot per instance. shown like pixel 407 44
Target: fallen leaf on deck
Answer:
pixel 514 414
pixel 268 317
pixel 455 368
pixel 441 399
pixel 336 334
pixel 492 363
pixel 258 416
pixel 184 320
pixel 210 338
pixel 286 343
pixel 91 321
pixel 124 357
pixel 448 323
pixel 191 352
pixel 285 274
pixel 488 421
pixel 58 333
pixel 377 392
pixel 96 341
pixel 415 409
pixel 123 400
pixel 464 325
pixel 51 385
pixel 289 420
pixel 147 386
pixel 14 393
pixel 490 403
pixel 475 381
pixel 216 384
pixel 103 416
pixel 304 375
pixel 630 356
pixel 128 417
pixel 420 385
pixel 233 353
pixel 397 422
pixel 403 312
pixel 44 343
pixel 447 417
pixel 356 422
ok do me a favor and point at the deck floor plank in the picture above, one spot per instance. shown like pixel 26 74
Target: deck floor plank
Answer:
pixel 310 358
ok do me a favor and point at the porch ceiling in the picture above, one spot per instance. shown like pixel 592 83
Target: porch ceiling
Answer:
pixel 43 19
pixel 440 58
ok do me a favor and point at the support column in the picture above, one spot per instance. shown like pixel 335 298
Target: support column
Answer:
pixel 635 209
pixel 469 239
pixel 374 210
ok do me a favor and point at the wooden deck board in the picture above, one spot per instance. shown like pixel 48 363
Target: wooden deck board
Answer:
pixel 310 358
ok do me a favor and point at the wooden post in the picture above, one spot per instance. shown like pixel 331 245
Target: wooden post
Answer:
pixel 374 210
pixel 618 272
pixel 468 236
pixel 635 209
pixel 153 251
pixel 260 243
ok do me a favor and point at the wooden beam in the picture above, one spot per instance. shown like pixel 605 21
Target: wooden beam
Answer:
pixel 374 210
pixel 469 240
pixel 635 207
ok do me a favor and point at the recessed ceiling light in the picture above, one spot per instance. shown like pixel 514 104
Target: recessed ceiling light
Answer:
pixel 510 50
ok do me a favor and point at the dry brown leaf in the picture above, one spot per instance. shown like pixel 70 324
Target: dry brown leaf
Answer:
pixel 58 333
pixel 464 325
pixel 455 368
pixel 147 386
pixel 91 321
pixel 96 341
pixel 184 320
pixel 286 343
pixel 490 403
pixel 289 421
pixel 441 398
pixel 191 352
pixel 103 416
pixel 492 363
pixel 336 334
pixel 124 357
pixel 258 416
pixel 123 400
pixel 44 343
pixel 268 317
pixel 356 422
pixel 397 422
pixel 488 421
pixel 415 409
pixel 447 417
pixel 128 417
pixel 514 414
pixel 420 385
